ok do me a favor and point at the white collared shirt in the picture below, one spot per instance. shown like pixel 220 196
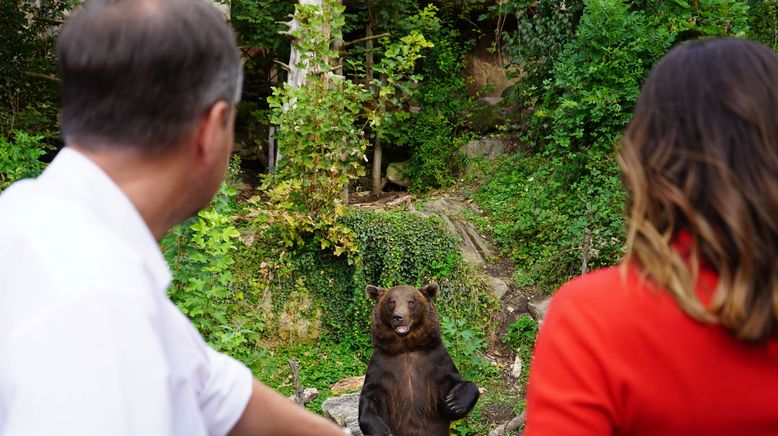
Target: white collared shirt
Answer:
pixel 90 344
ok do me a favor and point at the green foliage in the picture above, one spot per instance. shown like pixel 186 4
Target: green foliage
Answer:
pixel 320 366
pixel 435 133
pixel 544 28
pixel 322 146
pixel 323 150
pixel 396 76
pixel 201 253
pixel 465 345
pixel 521 337
pixel 19 157
pixel 764 21
pixel 28 89
pixel 258 22
pixel 401 248
pixel 688 19
pixel 566 192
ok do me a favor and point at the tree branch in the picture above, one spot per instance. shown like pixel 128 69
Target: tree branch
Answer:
pixel 367 38
pixel 48 77
pixel 49 20
pixel 285 66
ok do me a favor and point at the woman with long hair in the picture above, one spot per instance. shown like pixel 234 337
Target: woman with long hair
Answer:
pixel 682 337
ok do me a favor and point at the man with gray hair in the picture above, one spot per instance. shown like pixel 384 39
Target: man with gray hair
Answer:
pixel 90 344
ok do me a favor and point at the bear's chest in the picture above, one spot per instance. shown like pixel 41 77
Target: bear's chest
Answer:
pixel 413 386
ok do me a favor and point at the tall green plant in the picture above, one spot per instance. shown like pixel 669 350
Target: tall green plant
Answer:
pixel 322 144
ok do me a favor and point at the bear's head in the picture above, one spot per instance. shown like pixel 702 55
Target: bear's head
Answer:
pixel 404 318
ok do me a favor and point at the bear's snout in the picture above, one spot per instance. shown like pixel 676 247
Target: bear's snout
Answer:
pixel 400 325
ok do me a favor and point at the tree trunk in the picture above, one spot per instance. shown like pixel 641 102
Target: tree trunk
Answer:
pixel 298 70
pixel 377 157
pixel 377 147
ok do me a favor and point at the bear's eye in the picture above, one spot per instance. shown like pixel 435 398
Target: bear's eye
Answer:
pixel 411 303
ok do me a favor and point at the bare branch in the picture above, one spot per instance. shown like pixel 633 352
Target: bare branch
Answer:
pixel 49 20
pixel 366 38
pixel 48 77
pixel 285 66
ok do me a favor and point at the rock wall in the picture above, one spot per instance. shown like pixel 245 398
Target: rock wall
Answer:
pixel 485 68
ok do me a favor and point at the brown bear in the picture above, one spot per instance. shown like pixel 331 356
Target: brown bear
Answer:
pixel 412 386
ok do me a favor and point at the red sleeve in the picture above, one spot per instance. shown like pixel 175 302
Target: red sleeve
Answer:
pixel 568 391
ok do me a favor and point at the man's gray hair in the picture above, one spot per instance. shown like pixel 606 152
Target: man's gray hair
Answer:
pixel 141 73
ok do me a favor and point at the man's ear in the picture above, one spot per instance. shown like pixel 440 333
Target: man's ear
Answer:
pixel 374 292
pixel 430 290
pixel 209 129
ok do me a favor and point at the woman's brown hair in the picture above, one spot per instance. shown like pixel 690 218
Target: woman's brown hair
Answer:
pixel 701 157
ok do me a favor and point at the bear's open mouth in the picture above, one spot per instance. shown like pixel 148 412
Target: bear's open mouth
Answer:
pixel 401 329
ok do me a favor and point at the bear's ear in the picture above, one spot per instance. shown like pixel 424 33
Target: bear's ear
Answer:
pixel 430 290
pixel 374 292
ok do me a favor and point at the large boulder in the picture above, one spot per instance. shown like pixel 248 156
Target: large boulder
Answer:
pixel 397 173
pixel 344 410
pixel 488 148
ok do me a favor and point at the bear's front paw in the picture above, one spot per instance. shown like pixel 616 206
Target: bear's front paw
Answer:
pixel 461 399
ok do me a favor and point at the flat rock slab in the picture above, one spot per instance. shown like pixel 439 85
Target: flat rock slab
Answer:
pixel 344 410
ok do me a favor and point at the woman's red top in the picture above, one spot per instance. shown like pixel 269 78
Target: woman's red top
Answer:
pixel 619 357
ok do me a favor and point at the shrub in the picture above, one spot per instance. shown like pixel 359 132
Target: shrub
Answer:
pixel 20 157
pixel 564 191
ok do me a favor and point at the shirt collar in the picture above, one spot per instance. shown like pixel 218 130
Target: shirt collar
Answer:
pixel 85 180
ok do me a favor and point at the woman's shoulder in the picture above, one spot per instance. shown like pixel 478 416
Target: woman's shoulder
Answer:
pixel 609 297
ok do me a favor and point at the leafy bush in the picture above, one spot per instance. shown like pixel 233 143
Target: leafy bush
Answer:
pixel 434 134
pixel 201 254
pixel 763 23
pixel 401 248
pixel 544 28
pixel 465 344
pixel 19 157
pixel 564 192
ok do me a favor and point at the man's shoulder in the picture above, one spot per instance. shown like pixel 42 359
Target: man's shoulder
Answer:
pixel 56 240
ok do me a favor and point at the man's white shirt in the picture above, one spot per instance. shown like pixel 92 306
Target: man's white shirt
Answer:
pixel 90 344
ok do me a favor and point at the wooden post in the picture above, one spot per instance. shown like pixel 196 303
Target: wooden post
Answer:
pixel 299 399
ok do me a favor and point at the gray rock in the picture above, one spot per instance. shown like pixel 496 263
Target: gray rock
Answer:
pixel 492 101
pixel 309 394
pixel 538 309
pixel 511 425
pixel 344 410
pixel 499 287
pixel 486 148
pixel 474 248
pixel 397 173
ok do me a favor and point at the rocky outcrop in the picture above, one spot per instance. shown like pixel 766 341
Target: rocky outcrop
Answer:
pixel 474 247
pixel 344 410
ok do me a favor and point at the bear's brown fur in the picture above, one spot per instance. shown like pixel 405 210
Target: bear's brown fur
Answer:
pixel 412 386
